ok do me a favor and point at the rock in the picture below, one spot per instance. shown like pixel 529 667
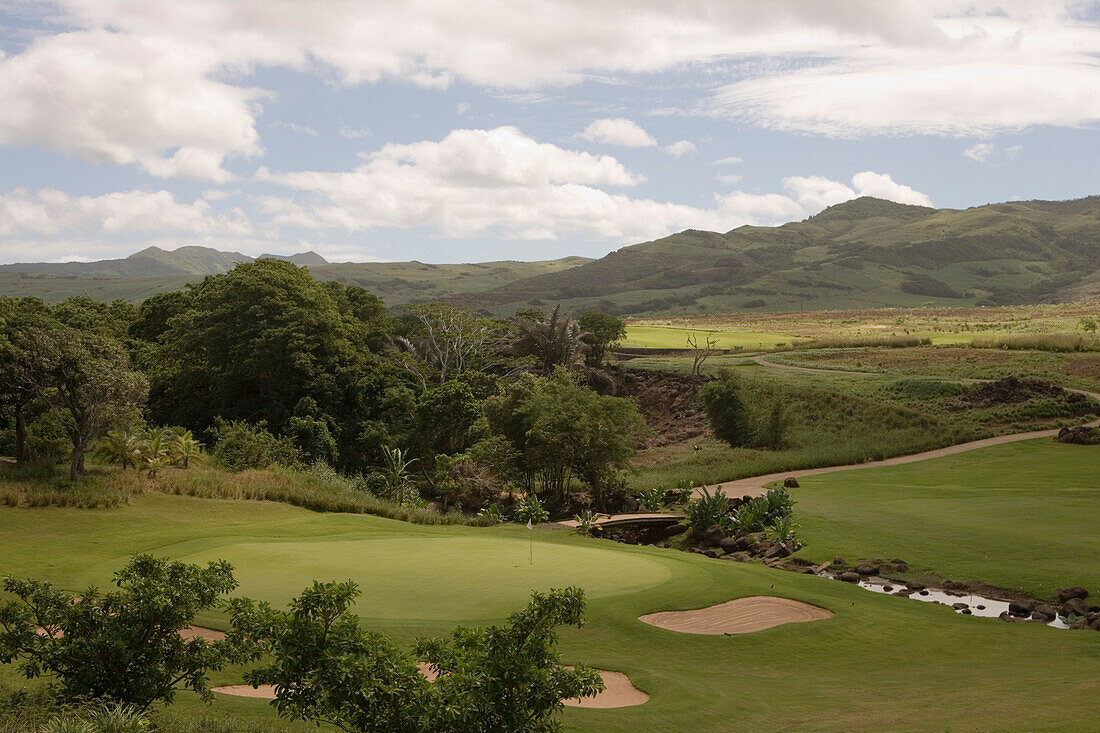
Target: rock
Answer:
pixel 710 553
pixel 675 529
pixel 866 569
pixel 885 569
pixel 901 567
pixel 742 557
pixel 1043 617
pixel 904 592
pixel 1046 609
pixel 878 561
pixel 888 588
pixel 1022 608
pixel 729 544
pixel 960 606
pixel 923 592
pixel 840 562
pixel 1095 624
pixel 1081 623
pixel 897 561
pixel 849 577
pixel 966 612
pixel 914 585
pixel 956 586
pixel 711 536
pixel 790 483
pixel 980 607
pixel 823 567
pixel 630 504
pixel 1076 606
pixel 1064 594
pixel 778 551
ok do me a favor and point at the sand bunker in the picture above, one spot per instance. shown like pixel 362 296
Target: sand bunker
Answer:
pixel 198 632
pixel 740 616
pixel 619 692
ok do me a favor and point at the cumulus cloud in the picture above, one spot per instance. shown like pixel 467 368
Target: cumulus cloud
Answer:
pixel 730 160
pixel 979 152
pixel 815 193
pixel 48 212
pixel 110 97
pixel 618 131
pixel 679 149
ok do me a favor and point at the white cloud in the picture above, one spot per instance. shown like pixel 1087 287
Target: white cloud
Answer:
pixel 730 179
pixel 979 152
pixel 115 98
pixel 815 193
pixel 618 131
pixel 49 212
pixel 679 149
pixel 294 127
pixel 462 108
pixel 731 160
pixel 354 133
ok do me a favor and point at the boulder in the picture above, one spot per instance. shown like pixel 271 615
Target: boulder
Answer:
pixel 960 606
pixel 675 529
pixel 710 553
pixel 888 588
pixel 885 569
pixel 914 585
pixel 849 577
pixel 711 536
pixel 923 592
pixel 777 551
pixel 878 561
pixel 866 569
pixel 897 561
pixel 966 612
pixel 729 544
pixel 1044 608
pixel 1095 624
pixel 1076 606
pixel 980 607
pixel 1043 617
pixel 1064 594
pixel 901 567
pixel 1022 608
pixel 630 505
pixel 840 561
pixel 1081 623
pixel 790 483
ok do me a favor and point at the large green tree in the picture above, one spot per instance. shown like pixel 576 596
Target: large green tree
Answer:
pixel 327 669
pixel 22 322
pixel 602 330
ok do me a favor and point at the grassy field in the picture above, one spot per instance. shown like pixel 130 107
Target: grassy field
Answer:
pixel 1021 516
pixel 849 672
pixel 672 337
pixel 836 419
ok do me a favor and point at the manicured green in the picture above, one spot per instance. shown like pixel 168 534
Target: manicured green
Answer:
pixel 1020 515
pixel 880 663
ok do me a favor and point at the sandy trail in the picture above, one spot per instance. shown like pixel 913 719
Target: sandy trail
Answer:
pixel 754 485
pixel 619 692
pixel 740 616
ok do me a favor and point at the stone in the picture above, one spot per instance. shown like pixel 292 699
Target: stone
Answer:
pixel 1022 608
pixel 966 612
pixel 888 588
pixel 901 567
pixel 711 536
pixel 980 607
pixel 878 561
pixel 675 529
pixel 897 561
pixel 710 553
pixel 960 606
pixel 1081 623
pixel 885 569
pixel 729 544
pixel 840 561
pixel 923 592
pixel 849 577
pixel 630 504
pixel 1044 617
pixel 790 483
pixel 776 552
pixel 914 585
pixel 866 569
pixel 1076 606
pixel 1064 594
pixel 1046 609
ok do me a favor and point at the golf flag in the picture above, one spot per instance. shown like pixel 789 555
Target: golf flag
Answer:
pixel 531 549
pixel 529 524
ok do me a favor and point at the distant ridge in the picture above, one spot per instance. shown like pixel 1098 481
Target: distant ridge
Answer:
pixel 157 262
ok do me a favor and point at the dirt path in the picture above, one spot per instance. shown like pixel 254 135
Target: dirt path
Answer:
pixel 739 616
pixel 754 486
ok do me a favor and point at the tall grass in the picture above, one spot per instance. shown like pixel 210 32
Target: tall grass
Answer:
pixel 1038 342
pixel 320 489
pixel 892 341
pixel 43 484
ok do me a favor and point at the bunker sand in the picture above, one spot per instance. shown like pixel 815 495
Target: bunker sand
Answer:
pixel 739 616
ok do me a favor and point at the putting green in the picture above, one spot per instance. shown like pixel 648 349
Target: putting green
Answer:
pixel 434 578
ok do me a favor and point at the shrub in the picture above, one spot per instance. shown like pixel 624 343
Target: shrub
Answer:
pixel 708 510
pixel 122 646
pixel 652 499
pixel 783 529
pixel 492 514
pixel 530 509
pixel 773 429
pixel 1039 342
pixel 241 446
pixel 721 399
pixel 586 521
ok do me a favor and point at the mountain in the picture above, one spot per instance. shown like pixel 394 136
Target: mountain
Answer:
pixel 859 254
pixel 862 253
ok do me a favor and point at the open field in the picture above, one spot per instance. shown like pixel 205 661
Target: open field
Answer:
pixel 1020 516
pixel 942 325
pixel 672 337
pixel 877 649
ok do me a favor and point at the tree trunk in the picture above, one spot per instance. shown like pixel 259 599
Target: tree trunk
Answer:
pixel 76 466
pixel 22 446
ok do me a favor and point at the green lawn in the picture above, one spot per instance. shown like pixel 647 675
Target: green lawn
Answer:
pixel 881 663
pixel 673 337
pixel 1021 515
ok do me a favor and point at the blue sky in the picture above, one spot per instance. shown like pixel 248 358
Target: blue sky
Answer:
pixel 450 131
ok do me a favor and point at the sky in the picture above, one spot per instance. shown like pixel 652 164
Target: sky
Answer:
pixel 458 131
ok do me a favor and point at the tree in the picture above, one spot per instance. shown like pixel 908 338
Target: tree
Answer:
pixel 552 341
pixel 700 354
pixel 447 342
pixel 1088 324
pixel 721 399
pixel 603 330
pixel 23 324
pixel 327 669
pixel 125 645
pixel 87 383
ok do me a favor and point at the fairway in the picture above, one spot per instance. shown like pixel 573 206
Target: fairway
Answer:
pixel 1021 515
pixel 673 337
pixel 840 673
pixel 434 578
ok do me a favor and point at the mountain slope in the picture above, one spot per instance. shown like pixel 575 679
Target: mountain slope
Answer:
pixel 861 253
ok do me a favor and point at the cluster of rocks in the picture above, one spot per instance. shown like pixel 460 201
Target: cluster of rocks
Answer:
pixel 1080 435
pixel 1071 606
pixel 878 566
pixel 747 546
pixel 1011 390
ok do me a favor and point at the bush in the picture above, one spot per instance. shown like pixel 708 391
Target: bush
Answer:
pixel 772 431
pixel 241 446
pixel 721 399
pixel 530 509
pixel 1039 342
pixel 708 510
pixel 652 499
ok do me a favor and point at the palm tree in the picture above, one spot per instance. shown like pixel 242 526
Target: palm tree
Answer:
pixel 553 341
pixel 121 446
pixel 155 449
pixel 184 448
pixel 396 474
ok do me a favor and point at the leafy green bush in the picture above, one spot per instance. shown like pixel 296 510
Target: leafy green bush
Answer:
pixel 708 510
pixel 492 514
pixel 530 509
pixel 924 389
pixel 729 420
pixel 240 446
pixel 586 521
pixel 652 499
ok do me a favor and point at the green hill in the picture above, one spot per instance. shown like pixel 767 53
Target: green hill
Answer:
pixel 861 253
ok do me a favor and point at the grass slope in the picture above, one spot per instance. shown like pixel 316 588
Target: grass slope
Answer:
pixel 849 672
pixel 1021 516
pixel 672 337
